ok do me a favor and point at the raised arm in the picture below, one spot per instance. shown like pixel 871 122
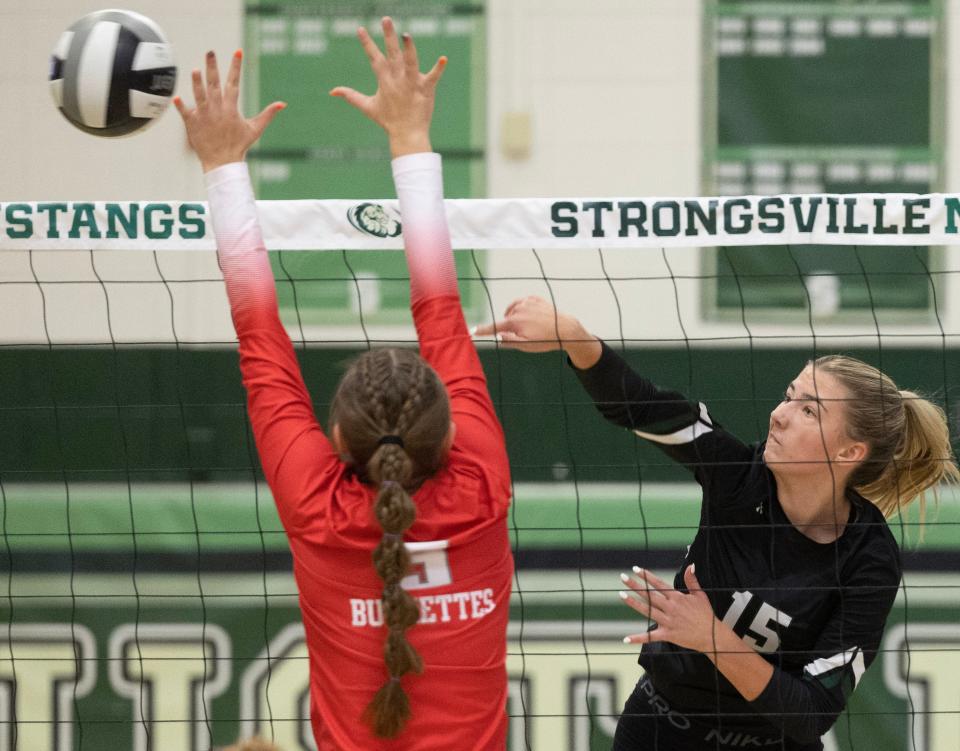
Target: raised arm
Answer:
pixel 403 106
pixel 220 137
pixel 288 436
pixel 681 428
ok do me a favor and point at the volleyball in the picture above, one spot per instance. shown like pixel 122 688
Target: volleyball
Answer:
pixel 112 73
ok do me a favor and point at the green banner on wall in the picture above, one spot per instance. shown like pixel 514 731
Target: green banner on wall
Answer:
pixel 320 147
pixel 823 97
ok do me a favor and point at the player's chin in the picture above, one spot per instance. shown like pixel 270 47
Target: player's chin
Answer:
pixel 776 461
pixel 769 453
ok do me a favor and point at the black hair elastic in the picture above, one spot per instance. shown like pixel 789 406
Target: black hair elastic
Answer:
pixel 394 439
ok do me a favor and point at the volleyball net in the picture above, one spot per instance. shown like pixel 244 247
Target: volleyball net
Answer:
pixel 145 594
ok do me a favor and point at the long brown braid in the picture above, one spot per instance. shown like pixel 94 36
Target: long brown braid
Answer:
pixel 393 415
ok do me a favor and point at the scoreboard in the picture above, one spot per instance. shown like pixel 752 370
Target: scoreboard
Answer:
pixel 813 97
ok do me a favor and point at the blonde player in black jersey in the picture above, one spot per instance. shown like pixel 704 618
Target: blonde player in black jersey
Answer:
pixel 780 605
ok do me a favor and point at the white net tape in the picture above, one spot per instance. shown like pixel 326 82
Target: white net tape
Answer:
pixel 571 223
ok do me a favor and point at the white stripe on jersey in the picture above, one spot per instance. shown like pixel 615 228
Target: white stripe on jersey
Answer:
pixel 826 664
pixel 688 434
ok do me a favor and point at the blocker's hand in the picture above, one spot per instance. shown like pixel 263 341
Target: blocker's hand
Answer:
pixel 215 128
pixel 403 102
pixel 684 619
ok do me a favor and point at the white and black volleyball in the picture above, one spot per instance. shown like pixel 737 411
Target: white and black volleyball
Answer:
pixel 112 73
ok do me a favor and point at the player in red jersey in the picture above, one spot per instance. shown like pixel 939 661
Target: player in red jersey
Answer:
pixel 407 650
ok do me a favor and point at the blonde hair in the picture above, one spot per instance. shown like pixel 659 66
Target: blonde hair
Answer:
pixel 908 437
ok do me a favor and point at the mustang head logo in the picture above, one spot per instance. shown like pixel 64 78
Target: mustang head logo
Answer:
pixel 373 219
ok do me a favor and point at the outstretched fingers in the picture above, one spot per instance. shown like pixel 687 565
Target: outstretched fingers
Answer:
pixel 648 601
pixel 644 638
pixel 652 582
pixel 642 605
pixel 493 329
pixel 260 122
pixel 353 97
pixel 184 111
pixel 374 55
pixel 410 59
pixel 199 93
pixel 390 42
pixel 648 595
pixel 644 586
pixel 232 90
pixel 214 94
pixel 433 77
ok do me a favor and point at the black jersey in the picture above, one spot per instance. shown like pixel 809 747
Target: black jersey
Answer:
pixel 815 611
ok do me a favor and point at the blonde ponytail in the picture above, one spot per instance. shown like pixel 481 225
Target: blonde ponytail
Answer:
pixel 922 461
pixel 908 436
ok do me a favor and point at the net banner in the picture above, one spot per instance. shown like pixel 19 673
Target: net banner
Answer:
pixel 560 223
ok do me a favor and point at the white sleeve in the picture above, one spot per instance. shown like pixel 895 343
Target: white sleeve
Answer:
pixel 240 249
pixel 426 239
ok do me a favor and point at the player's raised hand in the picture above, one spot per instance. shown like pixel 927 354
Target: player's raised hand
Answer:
pixel 531 324
pixel 683 618
pixel 403 102
pixel 216 130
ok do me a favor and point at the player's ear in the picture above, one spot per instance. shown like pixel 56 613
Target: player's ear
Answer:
pixel 336 438
pixel 448 439
pixel 853 452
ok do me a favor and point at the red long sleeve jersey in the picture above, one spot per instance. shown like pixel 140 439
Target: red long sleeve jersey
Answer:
pixel 462 567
